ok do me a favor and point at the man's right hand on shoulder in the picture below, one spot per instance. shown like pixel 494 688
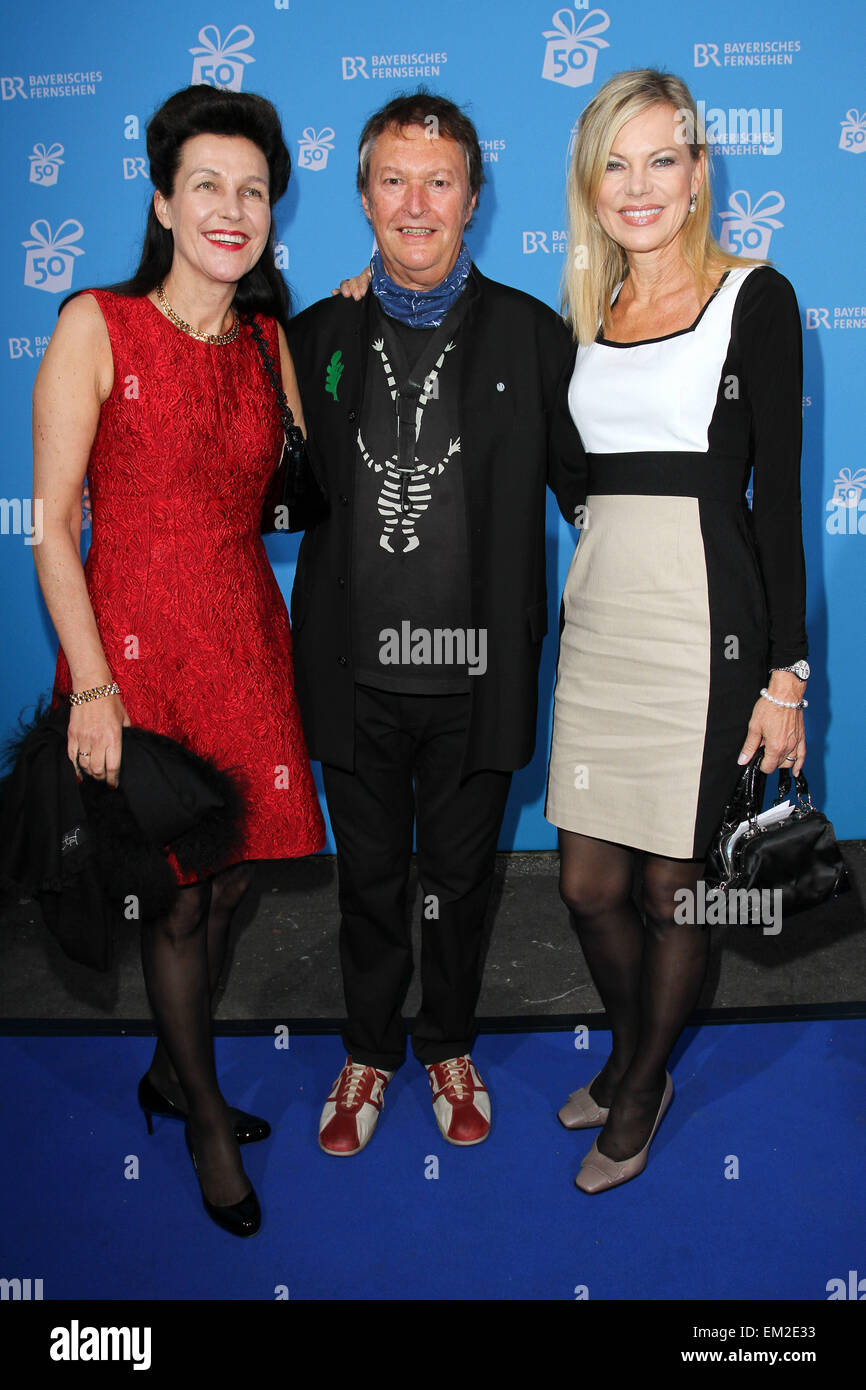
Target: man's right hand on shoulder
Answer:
pixel 356 286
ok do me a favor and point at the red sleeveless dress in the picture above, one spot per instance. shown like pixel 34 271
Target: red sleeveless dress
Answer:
pixel 191 618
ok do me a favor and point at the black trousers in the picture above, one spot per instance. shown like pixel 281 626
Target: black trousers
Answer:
pixel 408 753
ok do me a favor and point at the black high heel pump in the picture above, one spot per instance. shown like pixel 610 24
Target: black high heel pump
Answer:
pixel 249 1129
pixel 243 1218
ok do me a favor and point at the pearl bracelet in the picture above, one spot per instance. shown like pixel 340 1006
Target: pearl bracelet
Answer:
pixel 81 697
pixel 785 704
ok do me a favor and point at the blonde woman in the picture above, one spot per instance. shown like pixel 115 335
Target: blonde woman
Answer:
pixel 683 647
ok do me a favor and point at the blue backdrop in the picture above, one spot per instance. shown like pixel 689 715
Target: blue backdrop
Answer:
pixel 782 87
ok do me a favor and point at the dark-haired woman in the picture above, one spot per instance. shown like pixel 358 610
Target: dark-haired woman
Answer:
pixel 156 391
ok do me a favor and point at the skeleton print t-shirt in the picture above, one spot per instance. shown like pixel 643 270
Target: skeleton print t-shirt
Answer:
pixel 410 569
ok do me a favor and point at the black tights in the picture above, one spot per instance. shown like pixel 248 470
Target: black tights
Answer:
pixel 182 956
pixel 648 972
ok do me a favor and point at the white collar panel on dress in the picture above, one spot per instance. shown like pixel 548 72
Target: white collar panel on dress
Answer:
pixel 659 394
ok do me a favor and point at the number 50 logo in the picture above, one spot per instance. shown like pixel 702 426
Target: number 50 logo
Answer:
pixel 220 62
pixel 313 149
pixel 853 135
pixel 572 49
pixel 747 229
pixel 51 255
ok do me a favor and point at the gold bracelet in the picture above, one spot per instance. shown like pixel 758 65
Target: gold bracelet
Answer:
pixel 81 697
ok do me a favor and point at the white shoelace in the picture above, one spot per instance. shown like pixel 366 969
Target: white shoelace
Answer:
pixel 457 1071
pixel 347 1095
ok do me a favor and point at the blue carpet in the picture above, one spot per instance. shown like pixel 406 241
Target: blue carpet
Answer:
pixel 500 1221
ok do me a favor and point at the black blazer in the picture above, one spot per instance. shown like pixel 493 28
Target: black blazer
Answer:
pixel 515 438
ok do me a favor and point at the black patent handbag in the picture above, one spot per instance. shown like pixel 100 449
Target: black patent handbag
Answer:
pixel 797 855
pixel 295 498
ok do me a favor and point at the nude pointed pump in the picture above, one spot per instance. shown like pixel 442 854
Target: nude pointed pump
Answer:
pixel 598 1172
pixel 581 1111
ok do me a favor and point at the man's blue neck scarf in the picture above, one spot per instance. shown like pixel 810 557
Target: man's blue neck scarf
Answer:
pixel 420 308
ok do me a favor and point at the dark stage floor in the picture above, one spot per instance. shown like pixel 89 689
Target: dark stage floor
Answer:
pixel 285 963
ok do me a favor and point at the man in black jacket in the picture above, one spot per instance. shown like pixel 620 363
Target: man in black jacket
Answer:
pixel 419 604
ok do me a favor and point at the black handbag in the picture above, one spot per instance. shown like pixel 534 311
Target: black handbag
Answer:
pixel 295 499
pixel 797 855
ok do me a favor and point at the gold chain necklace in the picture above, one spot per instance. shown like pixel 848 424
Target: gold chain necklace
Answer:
pixel 215 339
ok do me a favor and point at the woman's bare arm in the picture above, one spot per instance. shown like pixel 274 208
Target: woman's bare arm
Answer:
pixel 74 378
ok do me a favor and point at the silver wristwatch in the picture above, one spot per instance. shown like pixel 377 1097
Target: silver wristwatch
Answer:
pixel 800 669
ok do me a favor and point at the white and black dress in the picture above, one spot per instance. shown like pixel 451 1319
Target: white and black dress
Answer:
pixel 679 598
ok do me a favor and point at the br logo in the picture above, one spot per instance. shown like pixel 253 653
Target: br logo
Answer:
pixel 746 230
pixel 705 53
pixel 45 164
pixel 51 255
pixel 572 48
pixel 218 62
pixel 313 149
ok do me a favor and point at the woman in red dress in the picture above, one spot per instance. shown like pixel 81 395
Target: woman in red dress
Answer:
pixel 156 391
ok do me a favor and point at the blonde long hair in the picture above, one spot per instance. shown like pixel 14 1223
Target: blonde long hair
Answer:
pixel 596 263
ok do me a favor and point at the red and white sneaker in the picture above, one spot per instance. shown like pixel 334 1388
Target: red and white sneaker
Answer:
pixel 352 1110
pixel 461 1102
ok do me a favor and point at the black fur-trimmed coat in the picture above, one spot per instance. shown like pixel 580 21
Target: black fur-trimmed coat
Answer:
pixel 90 853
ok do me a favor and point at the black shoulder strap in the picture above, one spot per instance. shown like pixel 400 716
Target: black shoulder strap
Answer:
pixel 286 416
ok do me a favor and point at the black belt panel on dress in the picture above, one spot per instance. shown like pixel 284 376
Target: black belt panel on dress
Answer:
pixel 710 477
